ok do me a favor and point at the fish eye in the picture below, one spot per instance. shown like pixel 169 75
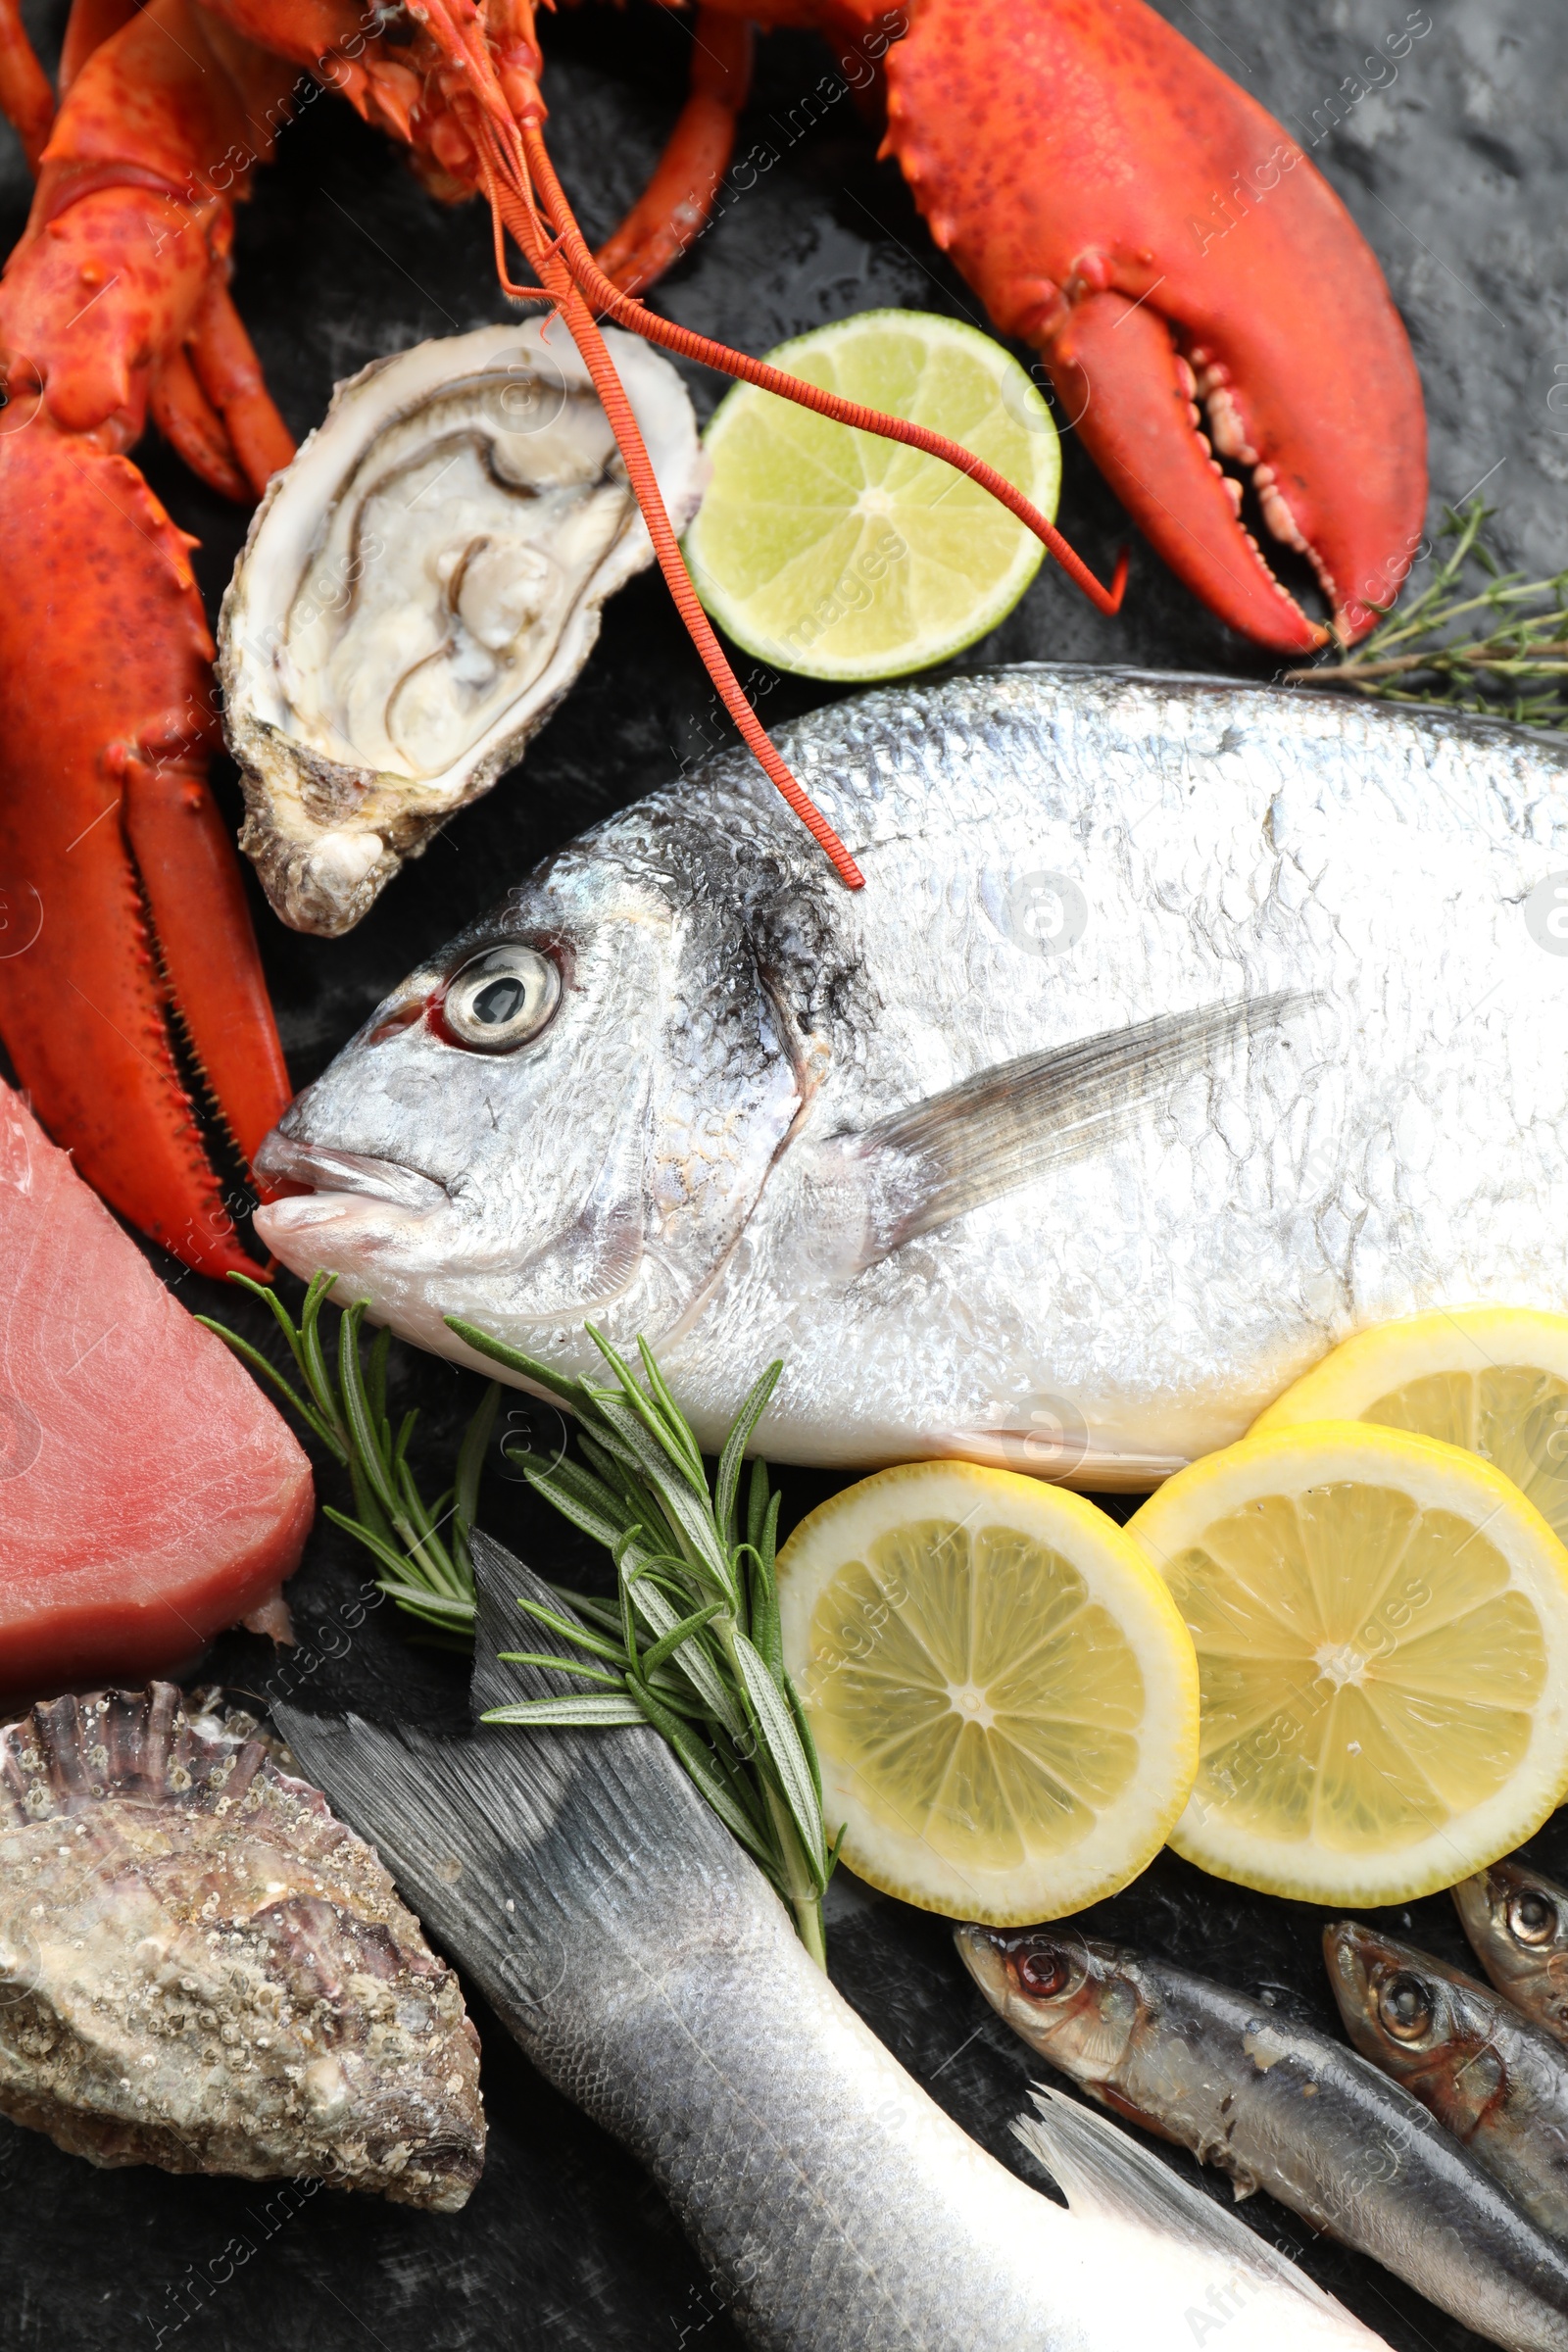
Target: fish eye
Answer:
pixel 1404 2006
pixel 502 999
pixel 1040 1970
pixel 1532 1915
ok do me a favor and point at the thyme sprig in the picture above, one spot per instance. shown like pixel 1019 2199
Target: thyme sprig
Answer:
pixel 691 1642
pixel 1477 638
pixel 421 1548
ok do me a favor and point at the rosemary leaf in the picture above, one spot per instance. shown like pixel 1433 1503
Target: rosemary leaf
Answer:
pixel 426 1575
pixel 560 1665
pixel 776 1727
pixel 734 1453
pixel 592 1643
pixel 586 1713
pixel 600 1613
pixel 711 1679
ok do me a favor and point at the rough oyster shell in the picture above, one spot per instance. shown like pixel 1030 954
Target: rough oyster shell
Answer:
pixel 202 1968
pixel 418 590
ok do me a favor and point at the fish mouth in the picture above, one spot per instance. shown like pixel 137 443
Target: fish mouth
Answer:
pixel 288 1168
pixel 1347 1954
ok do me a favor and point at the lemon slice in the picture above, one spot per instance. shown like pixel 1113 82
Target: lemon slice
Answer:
pixel 1492 1379
pixel 1004 1699
pixel 839 555
pixel 1381 1624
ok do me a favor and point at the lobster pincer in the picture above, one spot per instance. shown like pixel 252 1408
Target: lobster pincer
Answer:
pixel 1210 315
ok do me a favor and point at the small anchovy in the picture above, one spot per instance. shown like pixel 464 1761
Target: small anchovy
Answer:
pixel 651 1974
pixel 1280 2106
pixel 1490 2076
pixel 1517 1923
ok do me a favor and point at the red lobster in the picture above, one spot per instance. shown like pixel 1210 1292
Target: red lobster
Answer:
pixel 1065 166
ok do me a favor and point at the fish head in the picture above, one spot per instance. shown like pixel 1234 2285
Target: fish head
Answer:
pixel 1428 2026
pixel 1517 1923
pixel 570 1111
pixel 1077 2001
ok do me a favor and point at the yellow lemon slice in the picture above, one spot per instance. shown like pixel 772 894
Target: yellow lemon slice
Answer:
pixel 1381 1624
pixel 1004 1699
pixel 1492 1379
pixel 839 555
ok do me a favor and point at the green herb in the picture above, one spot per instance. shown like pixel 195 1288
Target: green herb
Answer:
pixel 421 1548
pixel 691 1642
pixel 1477 638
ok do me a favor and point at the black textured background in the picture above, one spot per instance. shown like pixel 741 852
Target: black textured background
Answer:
pixel 1457 172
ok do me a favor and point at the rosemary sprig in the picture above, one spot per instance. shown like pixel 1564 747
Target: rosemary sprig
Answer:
pixel 1477 638
pixel 421 1548
pixel 690 1643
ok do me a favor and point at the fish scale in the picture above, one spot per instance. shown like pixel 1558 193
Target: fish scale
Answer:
pixel 1389 1137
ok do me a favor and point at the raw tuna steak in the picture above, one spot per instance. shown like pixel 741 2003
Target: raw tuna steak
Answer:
pixel 149 1494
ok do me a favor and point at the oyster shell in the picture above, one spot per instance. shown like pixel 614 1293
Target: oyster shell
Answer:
pixel 418 590
pixel 202 1968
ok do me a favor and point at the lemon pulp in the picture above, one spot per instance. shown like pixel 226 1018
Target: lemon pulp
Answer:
pixel 840 555
pixel 1492 1380
pixel 1381 1625
pixel 1002 1699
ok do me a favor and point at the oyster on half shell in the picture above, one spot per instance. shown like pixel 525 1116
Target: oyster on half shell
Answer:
pixel 418 590
pixel 202 1968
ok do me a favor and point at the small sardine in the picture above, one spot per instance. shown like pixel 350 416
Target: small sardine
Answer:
pixel 1490 2076
pixel 1517 1923
pixel 1278 2105
pixel 651 1974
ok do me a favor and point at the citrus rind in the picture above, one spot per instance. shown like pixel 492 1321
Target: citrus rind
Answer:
pixel 1492 1379
pixel 840 555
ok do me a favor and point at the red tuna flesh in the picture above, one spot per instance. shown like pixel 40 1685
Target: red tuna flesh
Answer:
pixel 149 1494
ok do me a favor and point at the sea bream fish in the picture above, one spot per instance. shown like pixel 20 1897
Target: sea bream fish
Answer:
pixel 1489 2075
pixel 649 1970
pixel 1277 2105
pixel 1182 1029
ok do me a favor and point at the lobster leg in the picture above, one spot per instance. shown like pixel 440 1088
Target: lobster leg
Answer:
pixel 230 375
pixel 676 202
pixel 90 23
pixel 25 98
pixel 187 418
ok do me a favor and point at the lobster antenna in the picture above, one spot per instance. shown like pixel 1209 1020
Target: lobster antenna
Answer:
pixel 506 129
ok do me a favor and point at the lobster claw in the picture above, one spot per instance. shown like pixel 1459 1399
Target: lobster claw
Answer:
pixel 1215 324
pixel 122 918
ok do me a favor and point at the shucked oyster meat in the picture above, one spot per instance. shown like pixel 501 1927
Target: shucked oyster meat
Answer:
pixel 418 590
pixel 202 1968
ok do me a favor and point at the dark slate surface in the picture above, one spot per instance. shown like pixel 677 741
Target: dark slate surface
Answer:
pixel 1455 169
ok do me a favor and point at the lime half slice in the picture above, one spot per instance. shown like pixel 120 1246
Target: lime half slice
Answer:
pixel 839 555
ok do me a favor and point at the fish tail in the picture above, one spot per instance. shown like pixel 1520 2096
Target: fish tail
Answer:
pixel 516 1847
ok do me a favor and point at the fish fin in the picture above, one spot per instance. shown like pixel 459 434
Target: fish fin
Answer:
pixel 510 1842
pixel 1014 1123
pixel 1103 2173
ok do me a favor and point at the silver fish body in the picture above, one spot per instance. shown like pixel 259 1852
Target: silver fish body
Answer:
pixel 1280 2106
pixel 1491 2077
pixel 1517 1921
pixel 1181 1030
pixel 650 1971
